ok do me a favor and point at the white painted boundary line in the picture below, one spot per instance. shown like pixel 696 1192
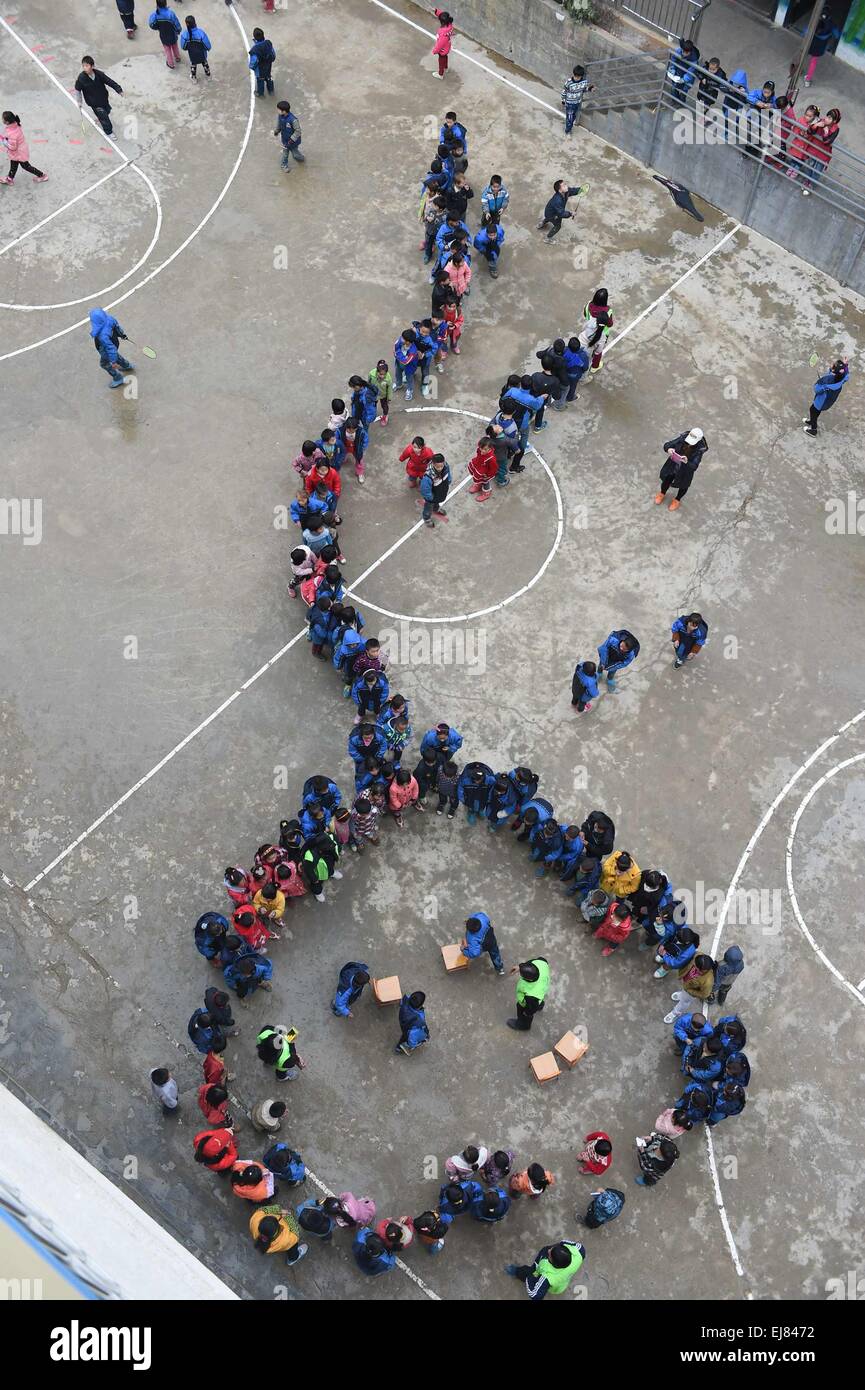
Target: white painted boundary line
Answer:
pixel 72 201
pixel 682 278
pixel 722 922
pixel 71 303
pixel 491 72
pixel 494 607
pixel 52 337
pixel 855 990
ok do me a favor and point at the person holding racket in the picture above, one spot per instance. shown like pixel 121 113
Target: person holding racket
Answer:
pixel 556 209
pixel 683 455
pixel 107 335
pixel 827 389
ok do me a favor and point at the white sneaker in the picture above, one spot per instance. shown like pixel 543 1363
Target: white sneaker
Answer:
pixel 337 873
pixel 670 1018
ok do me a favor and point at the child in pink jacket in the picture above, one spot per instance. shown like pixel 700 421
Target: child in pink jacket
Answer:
pixel 459 272
pixel 17 149
pixel 403 792
pixel 444 37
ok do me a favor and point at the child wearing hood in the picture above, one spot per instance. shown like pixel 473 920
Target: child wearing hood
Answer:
pixel 106 334
pixel 726 970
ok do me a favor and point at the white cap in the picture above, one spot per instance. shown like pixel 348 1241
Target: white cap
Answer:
pixel 693 436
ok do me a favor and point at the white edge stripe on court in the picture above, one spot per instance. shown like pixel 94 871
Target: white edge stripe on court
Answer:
pixel 855 990
pixel 72 201
pixel 127 163
pixel 192 235
pixel 722 922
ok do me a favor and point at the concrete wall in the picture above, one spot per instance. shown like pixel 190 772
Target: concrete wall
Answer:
pixel 528 32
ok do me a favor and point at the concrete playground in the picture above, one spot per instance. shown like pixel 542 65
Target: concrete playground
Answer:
pixel 147 741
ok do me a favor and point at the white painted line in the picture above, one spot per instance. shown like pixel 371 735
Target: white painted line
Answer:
pixel 722 922
pixel 430 1293
pixel 491 72
pixel 72 201
pixel 494 607
pixel 52 337
pixel 100 820
pixel 71 303
pixel 861 984
pixel 855 990
pixel 681 280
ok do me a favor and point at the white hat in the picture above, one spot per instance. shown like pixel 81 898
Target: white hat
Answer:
pixel 693 436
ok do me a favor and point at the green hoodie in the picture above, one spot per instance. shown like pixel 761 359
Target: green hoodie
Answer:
pixel 537 990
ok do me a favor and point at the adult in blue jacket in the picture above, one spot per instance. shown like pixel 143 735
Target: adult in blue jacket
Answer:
pixel 366 741
pixel 457 1198
pixel 371 1255
pixel 556 209
pixel 547 843
pixel 480 937
pixel 474 786
pixel 350 986
pixel 444 740
pixel 106 334
pixel 262 56
pixel 533 813
pixel 322 789
pixel 196 46
pixel 584 686
pixel 502 801
pixel 492 1205
pixel 615 653
pixel 489 241
pixel 167 26
pixel 690 633
pixel 728 1099
pixel 827 389
pixel 412 1021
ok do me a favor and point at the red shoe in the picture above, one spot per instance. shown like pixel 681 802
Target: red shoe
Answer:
pixel 607 951
pixel 455 349
pixel 659 497
pixel 675 504
pixel 483 497
pixel 475 487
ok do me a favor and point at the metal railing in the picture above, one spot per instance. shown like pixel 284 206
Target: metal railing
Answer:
pixel 680 18
pixel 769 141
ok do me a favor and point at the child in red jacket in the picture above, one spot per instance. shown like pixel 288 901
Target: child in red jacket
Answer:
pixel 597 1156
pixel 416 457
pixel 615 927
pixel 483 468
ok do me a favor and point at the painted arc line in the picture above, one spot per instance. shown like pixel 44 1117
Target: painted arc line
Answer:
pixel 722 922
pixel 81 323
pixel 855 990
pixel 97 294
pixel 494 607
pixel 100 820
pixel 50 218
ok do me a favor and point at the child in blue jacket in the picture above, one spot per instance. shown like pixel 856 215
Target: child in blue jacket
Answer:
pixel 489 241
pixel 262 56
pixel 532 813
pixel 584 686
pixel 690 633
pixel 481 938
pixel 728 1099
pixel 678 951
pixel 107 334
pixel 196 46
pixel 406 358
pixel 434 488
pixel 547 841
pixel 353 977
pixel 167 26
pixel 371 1255
pixel 615 653
pixel 576 361
pixel 320 625
pixel 475 783
pixel 288 128
pixel 827 389
pixel 502 801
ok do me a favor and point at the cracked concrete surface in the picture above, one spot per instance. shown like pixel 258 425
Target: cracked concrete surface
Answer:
pixel 158 523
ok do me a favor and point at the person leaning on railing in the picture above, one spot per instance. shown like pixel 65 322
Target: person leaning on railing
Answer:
pixel 680 70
